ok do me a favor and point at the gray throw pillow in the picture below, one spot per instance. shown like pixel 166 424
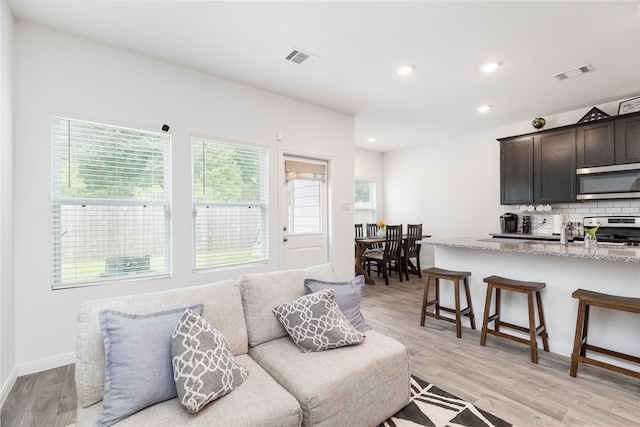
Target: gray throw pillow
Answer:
pixel 204 368
pixel 315 323
pixel 137 350
pixel 348 295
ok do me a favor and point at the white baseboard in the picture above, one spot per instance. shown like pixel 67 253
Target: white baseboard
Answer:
pixel 44 364
pixel 32 368
pixel 7 386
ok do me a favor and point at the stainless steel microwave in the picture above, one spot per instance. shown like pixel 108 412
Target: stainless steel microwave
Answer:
pixel 609 182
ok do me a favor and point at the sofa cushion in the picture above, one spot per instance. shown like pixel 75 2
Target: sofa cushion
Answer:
pixel 315 323
pixel 264 291
pixel 138 361
pixel 348 295
pixel 203 367
pixel 222 308
pixel 260 401
pixel 358 385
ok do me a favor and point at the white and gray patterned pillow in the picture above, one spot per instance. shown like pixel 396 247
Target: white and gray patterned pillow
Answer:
pixel 204 368
pixel 315 323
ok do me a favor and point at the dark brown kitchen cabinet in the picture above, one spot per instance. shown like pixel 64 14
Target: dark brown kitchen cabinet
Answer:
pixel 516 170
pixel 595 144
pixel 627 140
pixel 540 167
pixel 554 159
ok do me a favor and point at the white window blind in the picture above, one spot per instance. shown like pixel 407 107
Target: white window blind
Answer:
pixel 111 203
pixel 230 203
pixel 305 208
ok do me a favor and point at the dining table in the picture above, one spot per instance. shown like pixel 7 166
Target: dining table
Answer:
pixel 364 243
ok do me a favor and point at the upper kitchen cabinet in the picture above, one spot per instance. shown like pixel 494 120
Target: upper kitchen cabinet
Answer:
pixel 595 144
pixel 538 168
pixel 554 169
pixel 607 142
pixel 627 140
pixel 516 170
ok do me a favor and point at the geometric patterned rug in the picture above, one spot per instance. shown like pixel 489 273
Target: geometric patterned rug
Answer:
pixel 433 407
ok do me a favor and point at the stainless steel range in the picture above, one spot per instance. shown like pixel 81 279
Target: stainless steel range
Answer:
pixel 615 229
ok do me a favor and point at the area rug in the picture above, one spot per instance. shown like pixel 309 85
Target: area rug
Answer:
pixel 433 407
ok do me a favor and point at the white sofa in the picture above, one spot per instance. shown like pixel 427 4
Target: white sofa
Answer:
pixel 359 385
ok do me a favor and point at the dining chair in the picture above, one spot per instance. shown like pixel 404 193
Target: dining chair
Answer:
pixel 372 231
pixel 359 233
pixel 389 257
pixel 411 249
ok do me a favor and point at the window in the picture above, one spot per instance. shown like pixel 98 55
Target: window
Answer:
pixel 111 203
pixel 230 203
pixel 304 206
pixel 365 201
pixel 304 192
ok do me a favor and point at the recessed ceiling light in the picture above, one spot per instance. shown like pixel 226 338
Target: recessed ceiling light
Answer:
pixel 405 70
pixel 490 66
pixel 371 140
pixel 484 108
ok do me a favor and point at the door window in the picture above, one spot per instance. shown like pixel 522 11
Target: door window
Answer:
pixel 305 181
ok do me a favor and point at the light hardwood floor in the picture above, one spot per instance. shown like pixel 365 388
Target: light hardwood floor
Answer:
pixel 498 378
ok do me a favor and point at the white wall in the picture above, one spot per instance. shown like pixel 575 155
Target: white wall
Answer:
pixel 7 290
pixel 60 74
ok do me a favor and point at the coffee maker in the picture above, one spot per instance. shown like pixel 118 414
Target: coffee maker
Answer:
pixel 508 223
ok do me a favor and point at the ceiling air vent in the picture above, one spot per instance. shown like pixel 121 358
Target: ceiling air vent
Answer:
pixel 301 57
pixel 574 72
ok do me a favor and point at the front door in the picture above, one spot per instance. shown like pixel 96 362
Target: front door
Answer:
pixel 304 213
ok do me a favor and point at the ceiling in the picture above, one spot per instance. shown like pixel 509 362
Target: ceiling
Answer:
pixel 361 44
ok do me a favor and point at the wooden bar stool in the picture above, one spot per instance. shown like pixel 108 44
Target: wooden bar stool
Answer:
pixel 455 277
pixel 529 288
pixel 580 346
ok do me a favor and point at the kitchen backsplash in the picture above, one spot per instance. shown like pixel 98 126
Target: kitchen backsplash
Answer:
pixel 574 212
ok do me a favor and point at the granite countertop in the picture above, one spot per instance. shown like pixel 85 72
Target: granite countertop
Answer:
pixel 541 247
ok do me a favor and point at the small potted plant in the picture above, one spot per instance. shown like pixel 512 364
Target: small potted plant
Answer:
pixel 382 229
pixel 590 240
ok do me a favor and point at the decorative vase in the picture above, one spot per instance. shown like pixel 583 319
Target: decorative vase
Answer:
pixel 590 241
pixel 538 123
pixel 382 232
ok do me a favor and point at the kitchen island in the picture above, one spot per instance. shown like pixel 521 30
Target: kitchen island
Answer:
pixel 608 268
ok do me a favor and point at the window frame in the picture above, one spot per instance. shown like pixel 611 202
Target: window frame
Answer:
pixel 263 233
pixel 58 202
